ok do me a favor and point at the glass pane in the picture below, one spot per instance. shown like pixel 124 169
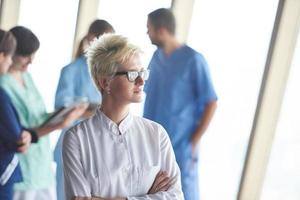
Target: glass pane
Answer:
pixel 129 18
pixel 54 24
pixel 283 172
pixel 234 37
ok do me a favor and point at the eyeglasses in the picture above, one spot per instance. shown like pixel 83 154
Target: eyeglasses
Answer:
pixel 133 75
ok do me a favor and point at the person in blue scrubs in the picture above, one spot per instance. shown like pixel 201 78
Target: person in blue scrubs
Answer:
pixel 13 137
pixel 76 84
pixel 179 95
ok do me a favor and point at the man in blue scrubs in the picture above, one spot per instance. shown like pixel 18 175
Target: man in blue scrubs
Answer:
pixel 180 95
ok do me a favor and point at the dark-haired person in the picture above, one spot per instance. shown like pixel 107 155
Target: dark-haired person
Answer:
pixel 13 137
pixel 180 95
pixel 75 83
pixel 36 164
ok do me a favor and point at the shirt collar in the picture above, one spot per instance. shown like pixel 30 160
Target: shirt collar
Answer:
pixel 112 126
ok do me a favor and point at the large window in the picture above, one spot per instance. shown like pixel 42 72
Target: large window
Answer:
pixel 283 173
pixel 54 24
pixel 234 37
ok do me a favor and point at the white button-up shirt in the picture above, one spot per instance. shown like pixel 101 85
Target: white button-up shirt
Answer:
pixel 106 160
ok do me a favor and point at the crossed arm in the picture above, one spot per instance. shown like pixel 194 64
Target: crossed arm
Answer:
pixel 166 185
pixel 161 183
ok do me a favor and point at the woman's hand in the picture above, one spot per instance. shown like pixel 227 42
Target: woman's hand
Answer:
pixel 161 183
pixel 24 142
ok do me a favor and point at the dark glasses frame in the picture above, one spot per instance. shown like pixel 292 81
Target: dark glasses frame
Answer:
pixel 133 75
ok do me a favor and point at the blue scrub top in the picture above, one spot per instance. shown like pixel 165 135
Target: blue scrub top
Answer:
pixel 10 133
pixel 177 91
pixel 75 82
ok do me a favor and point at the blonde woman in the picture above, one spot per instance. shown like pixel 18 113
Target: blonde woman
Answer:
pixel 115 155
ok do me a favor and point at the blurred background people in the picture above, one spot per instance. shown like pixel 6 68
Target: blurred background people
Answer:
pixel 36 164
pixel 76 84
pixel 13 137
pixel 179 95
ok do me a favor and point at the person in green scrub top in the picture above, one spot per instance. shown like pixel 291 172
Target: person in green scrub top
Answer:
pixel 36 164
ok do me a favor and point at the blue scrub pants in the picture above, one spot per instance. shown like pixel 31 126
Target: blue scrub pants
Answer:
pixel 189 181
pixel 189 171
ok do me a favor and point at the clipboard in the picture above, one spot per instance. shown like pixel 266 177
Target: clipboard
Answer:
pixel 60 114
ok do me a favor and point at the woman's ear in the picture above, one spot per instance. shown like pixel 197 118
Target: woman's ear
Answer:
pixel 104 84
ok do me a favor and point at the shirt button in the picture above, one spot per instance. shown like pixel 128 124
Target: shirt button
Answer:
pixel 121 140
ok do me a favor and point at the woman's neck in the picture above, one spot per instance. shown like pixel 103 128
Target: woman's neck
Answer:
pixel 113 111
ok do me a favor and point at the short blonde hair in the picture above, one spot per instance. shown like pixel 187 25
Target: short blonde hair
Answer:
pixel 106 54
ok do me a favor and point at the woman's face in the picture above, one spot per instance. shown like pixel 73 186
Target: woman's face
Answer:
pixel 21 63
pixel 5 62
pixel 124 91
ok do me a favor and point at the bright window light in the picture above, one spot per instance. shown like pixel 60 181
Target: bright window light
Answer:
pixel 234 37
pixel 54 24
pixel 283 172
